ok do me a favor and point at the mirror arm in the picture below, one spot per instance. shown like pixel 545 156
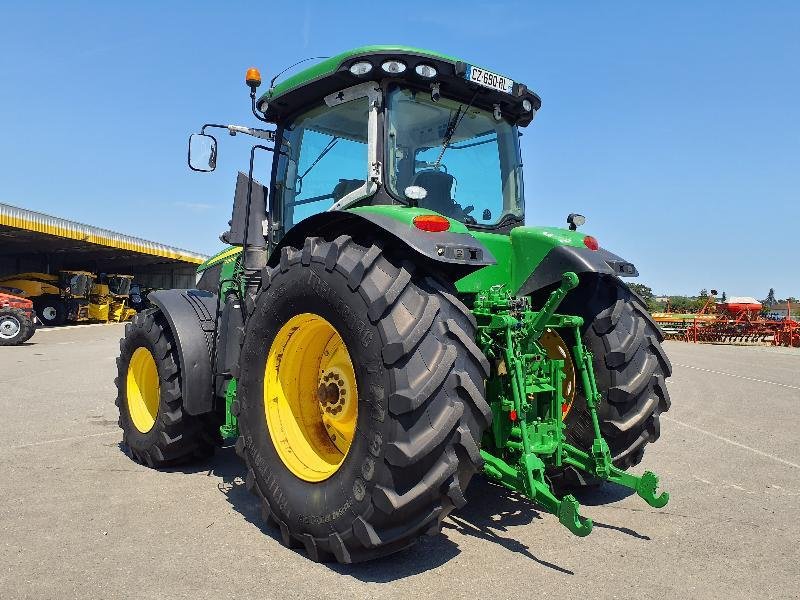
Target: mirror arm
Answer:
pixel 212 126
pixel 234 129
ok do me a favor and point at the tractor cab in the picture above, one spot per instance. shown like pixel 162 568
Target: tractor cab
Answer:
pixel 399 126
pixel 119 286
pixel 75 284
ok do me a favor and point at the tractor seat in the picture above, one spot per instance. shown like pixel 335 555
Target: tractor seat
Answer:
pixel 344 187
pixel 439 186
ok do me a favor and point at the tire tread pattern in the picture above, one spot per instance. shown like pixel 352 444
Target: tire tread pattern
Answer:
pixel 443 410
pixel 178 437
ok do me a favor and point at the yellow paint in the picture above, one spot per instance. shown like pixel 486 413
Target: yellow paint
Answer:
pixel 91 235
pixel 557 349
pixel 310 397
pixel 98 311
pixel 39 284
pixel 32 287
pixel 143 390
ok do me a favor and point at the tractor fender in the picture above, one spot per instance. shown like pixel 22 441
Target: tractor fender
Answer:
pixel 578 260
pixel 453 254
pixel 191 315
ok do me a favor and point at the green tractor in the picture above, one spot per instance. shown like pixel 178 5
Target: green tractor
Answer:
pixel 384 325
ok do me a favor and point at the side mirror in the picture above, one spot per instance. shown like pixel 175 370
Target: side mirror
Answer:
pixel 202 152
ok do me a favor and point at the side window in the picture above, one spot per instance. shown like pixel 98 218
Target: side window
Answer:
pixel 327 159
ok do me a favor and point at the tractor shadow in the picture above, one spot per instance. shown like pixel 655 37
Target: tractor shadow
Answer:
pixel 229 471
pixel 491 511
pixel 490 514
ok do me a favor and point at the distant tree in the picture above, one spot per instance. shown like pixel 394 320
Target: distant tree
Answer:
pixel 724 296
pixel 770 299
pixel 644 291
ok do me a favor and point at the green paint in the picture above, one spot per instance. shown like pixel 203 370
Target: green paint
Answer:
pixel 499 273
pixel 517 255
pixel 230 429
pixel 526 396
pixel 332 64
pixel 228 255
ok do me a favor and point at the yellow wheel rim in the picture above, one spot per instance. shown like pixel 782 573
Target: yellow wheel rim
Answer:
pixel 143 390
pixel 310 397
pixel 557 349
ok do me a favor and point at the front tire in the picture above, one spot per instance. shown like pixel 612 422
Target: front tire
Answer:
pixel 156 431
pixel 420 409
pixel 15 327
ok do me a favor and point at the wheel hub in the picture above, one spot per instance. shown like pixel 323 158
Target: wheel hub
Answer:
pixel 557 349
pixel 310 397
pixel 142 389
pixel 49 313
pixel 9 327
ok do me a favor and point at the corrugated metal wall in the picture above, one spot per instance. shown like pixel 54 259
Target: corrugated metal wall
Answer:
pixel 160 274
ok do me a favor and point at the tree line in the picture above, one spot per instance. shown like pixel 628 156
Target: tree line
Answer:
pixel 695 303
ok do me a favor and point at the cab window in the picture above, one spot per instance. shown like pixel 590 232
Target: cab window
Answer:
pixel 327 159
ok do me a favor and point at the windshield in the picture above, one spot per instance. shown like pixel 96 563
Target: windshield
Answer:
pixel 119 286
pixel 466 162
pixel 75 284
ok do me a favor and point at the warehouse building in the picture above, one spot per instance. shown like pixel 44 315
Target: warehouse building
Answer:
pixel 35 242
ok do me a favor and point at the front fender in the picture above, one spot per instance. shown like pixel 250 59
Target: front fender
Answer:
pixel 191 315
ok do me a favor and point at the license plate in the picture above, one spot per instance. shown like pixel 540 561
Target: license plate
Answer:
pixel 493 81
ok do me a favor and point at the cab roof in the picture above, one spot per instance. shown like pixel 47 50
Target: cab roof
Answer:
pixel 315 82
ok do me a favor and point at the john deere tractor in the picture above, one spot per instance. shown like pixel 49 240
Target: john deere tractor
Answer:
pixel 383 325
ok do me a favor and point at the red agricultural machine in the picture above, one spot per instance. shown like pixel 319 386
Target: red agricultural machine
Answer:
pixel 17 318
pixel 740 320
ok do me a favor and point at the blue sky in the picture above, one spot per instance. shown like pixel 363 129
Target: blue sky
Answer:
pixel 673 126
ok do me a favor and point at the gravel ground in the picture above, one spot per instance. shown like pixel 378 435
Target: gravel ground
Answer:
pixel 78 519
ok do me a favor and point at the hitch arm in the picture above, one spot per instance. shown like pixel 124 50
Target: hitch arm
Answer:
pixel 568 281
pixel 599 461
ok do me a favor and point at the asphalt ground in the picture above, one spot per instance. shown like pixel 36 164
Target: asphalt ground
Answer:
pixel 78 519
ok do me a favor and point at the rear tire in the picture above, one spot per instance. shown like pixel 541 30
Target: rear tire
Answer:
pixel 630 366
pixel 156 431
pixel 15 327
pixel 421 406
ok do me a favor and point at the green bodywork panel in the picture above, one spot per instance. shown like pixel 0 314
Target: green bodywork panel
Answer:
pixel 330 65
pixel 517 255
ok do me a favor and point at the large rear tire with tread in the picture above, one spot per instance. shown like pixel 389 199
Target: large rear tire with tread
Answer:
pixel 420 393
pixel 630 366
pixel 156 431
